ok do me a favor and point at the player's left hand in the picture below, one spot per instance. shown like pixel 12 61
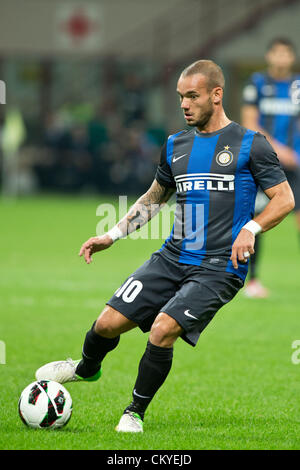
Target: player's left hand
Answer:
pixel 242 248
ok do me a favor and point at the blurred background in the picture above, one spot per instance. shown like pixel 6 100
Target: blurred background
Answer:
pixel 91 85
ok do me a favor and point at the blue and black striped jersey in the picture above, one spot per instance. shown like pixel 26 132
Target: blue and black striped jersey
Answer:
pixel 279 107
pixel 216 176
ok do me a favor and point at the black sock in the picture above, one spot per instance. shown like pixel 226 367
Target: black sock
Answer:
pixel 153 370
pixel 254 258
pixel 94 350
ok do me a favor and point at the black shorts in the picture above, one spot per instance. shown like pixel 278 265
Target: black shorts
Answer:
pixel 190 294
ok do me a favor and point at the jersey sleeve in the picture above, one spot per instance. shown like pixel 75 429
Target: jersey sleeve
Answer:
pixel 163 173
pixel 264 164
pixel 251 92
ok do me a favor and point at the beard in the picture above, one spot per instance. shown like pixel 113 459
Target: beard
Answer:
pixel 206 114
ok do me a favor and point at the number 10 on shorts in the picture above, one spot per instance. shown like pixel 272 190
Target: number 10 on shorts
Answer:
pixel 129 290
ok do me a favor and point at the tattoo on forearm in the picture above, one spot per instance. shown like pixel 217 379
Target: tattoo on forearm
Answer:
pixel 145 208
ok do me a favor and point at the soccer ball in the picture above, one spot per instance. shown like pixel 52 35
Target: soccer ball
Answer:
pixel 45 404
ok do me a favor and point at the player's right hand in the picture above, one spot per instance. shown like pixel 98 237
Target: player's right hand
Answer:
pixel 243 244
pixel 94 244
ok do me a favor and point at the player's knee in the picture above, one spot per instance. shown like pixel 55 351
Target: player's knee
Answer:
pixel 165 330
pixel 102 328
pixel 112 323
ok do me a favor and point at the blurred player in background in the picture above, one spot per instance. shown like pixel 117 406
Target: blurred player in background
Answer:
pixel 271 106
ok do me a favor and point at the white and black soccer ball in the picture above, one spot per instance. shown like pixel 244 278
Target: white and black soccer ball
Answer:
pixel 45 404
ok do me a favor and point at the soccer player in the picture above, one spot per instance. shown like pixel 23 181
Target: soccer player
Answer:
pixel 214 167
pixel 272 107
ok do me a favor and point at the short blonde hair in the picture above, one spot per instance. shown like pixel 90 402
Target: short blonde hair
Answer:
pixel 210 70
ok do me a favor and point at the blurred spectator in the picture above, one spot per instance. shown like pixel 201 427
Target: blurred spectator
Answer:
pixel 133 99
pixel 133 157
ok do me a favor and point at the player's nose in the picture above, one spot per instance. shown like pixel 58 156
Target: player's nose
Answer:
pixel 185 104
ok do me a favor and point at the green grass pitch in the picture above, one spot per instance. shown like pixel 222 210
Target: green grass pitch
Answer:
pixel 238 389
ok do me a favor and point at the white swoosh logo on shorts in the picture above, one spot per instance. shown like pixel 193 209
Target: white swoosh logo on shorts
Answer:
pixel 186 312
pixel 178 158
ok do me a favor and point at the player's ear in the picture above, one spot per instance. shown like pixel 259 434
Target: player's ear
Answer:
pixel 217 95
